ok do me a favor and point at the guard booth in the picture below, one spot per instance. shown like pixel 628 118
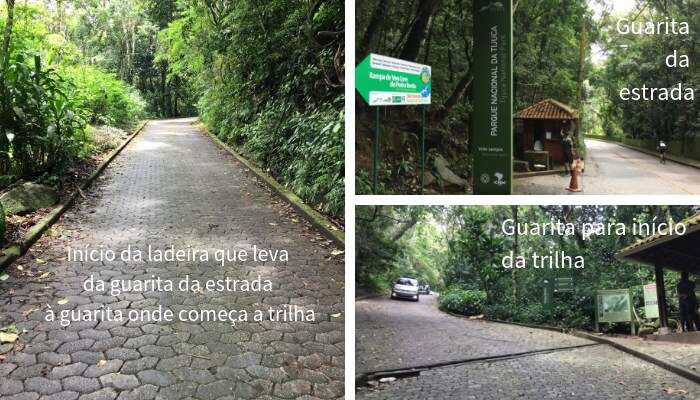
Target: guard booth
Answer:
pixel 678 253
pixel 538 136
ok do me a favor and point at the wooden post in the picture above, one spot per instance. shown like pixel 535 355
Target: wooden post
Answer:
pixel 661 296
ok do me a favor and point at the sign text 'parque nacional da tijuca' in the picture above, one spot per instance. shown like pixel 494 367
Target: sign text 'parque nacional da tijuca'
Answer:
pixel 492 134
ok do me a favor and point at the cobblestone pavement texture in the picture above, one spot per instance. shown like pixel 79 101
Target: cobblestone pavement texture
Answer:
pixel 686 355
pixel 598 372
pixel 616 170
pixel 173 186
pixel 393 334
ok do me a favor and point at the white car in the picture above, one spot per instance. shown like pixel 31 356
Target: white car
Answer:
pixel 405 288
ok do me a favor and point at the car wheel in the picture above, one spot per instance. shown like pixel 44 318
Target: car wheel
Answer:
pixel 417 299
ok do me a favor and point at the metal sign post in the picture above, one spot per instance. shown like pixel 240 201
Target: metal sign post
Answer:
pixel 422 152
pixel 386 81
pixel 493 97
pixel 548 293
pixel 375 155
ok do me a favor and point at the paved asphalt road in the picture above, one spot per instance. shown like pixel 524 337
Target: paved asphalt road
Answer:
pixel 398 334
pixel 612 169
pixel 173 185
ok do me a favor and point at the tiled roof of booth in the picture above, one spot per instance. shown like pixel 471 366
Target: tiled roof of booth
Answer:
pixel 548 109
pixel 690 224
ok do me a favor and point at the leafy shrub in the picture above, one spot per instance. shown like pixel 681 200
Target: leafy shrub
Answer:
pixel 536 313
pixel 376 284
pixel 316 165
pixel 503 312
pixel 565 315
pixel 277 98
pixel 105 138
pixel 305 150
pixel 47 98
pixel 40 127
pixel 105 99
pixel 465 302
pixel 363 182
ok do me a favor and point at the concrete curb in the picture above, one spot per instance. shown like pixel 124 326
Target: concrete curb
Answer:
pixel 532 326
pixel 314 217
pixel 498 321
pixel 669 366
pixel 521 175
pixel 361 379
pixel 369 296
pixel 670 157
pixel 18 249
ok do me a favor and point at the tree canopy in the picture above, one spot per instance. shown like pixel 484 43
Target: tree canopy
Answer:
pixel 551 48
pixel 634 60
pixel 461 249
pixel 266 77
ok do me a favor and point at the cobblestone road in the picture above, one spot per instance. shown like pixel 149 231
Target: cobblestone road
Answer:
pixel 418 334
pixel 173 186
pixel 599 372
pixel 617 170
pixel 393 334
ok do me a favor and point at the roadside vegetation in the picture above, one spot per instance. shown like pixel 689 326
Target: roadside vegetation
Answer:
pixel 50 94
pixel 76 76
pixel 459 252
pixel 636 60
pixel 267 78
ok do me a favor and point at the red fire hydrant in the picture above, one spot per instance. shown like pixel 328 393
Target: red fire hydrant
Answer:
pixel 577 168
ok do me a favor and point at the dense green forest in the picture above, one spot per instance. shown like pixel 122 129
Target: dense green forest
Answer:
pixel 551 55
pixel 567 50
pixel 634 60
pixel 551 47
pixel 266 77
pixel 459 252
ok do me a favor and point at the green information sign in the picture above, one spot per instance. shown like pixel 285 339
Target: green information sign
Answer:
pixel 613 306
pixel 651 301
pixel 386 81
pixel 563 284
pixel 555 285
pixel 492 136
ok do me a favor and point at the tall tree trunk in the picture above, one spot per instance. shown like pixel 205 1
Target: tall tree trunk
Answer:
pixel 8 33
pixel 418 32
pixel 464 83
pixel 582 60
pixel 5 101
pixel 405 28
pixel 61 11
pixel 408 225
pixel 450 64
pixel 176 86
pixel 133 53
pixel 375 21
pixel 583 45
pixel 428 41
